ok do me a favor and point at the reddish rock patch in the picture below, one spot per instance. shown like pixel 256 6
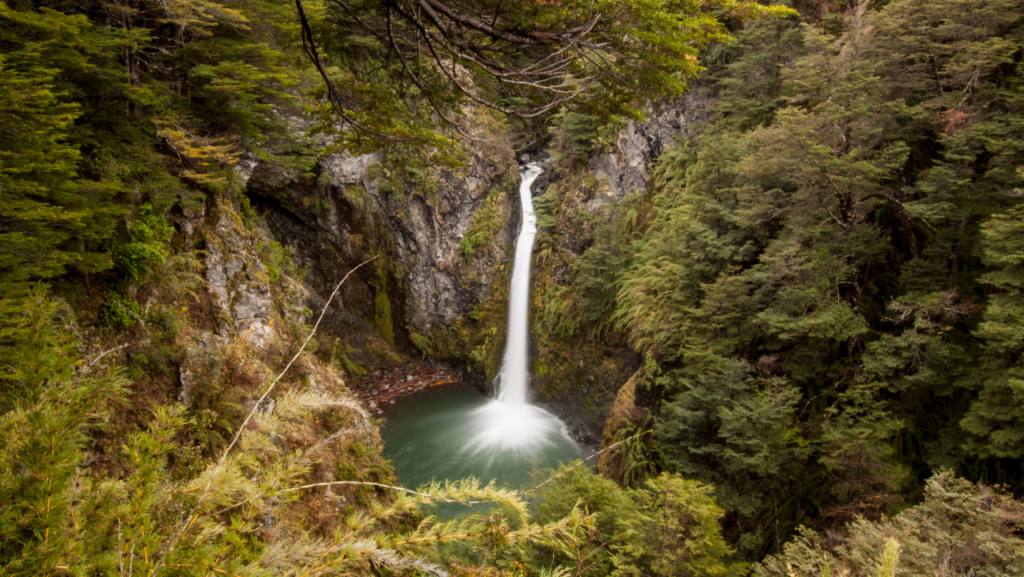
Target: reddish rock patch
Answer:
pixel 383 388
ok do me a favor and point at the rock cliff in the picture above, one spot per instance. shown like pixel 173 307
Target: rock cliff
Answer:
pixel 621 169
pixel 582 376
pixel 440 235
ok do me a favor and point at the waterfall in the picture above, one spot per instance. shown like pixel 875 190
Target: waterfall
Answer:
pixel 514 379
pixel 509 422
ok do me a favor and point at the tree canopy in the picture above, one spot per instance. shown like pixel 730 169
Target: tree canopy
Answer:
pixel 394 69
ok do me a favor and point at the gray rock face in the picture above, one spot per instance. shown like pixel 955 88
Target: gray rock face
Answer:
pixel 321 223
pixel 249 310
pixel 238 280
pixel 443 282
pixel 623 170
pixel 424 279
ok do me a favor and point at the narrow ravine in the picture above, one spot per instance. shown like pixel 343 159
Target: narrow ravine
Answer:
pixel 453 432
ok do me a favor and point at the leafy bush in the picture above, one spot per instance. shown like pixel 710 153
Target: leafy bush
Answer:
pixel 278 259
pixel 667 527
pixel 143 246
pixel 120 310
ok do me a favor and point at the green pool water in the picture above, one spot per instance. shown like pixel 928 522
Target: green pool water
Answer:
pixel 454 432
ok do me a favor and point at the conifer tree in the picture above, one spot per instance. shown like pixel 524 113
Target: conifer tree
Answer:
pixel 51 400
pixel 42 207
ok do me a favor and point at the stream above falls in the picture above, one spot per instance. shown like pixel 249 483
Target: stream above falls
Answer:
pixel 452 432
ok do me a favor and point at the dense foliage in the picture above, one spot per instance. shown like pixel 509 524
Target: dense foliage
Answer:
pixel 110 114
pixel 828 292
pixel 959 529
pixel 826 287
pixel 393 70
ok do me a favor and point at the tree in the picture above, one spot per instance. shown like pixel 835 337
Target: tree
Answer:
pixel 832 265
pixel 996 418
pixel 407 63
pixel 108 113
pixel 50 401
pixel 959 529
pixel 669 526
pixel 43 208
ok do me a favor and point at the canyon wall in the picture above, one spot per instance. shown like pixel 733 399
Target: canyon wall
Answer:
pixel 579 376
pixel 440 237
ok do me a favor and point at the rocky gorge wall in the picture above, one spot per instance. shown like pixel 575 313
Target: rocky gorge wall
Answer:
pixel 441 241
pixel 580 377
pixel 440 238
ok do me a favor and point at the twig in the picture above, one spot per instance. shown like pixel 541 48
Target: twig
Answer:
pixel 120 558
pixel 103 354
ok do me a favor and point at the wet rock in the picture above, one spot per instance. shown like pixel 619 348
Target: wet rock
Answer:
pixel 540 184
pixel 378 389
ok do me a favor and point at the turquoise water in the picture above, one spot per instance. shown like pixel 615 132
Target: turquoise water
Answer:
pixel 448 433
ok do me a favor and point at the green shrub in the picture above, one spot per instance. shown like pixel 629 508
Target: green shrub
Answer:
pixel 340 357
pixel 46 499
pixel 142 248
pixel 278 259
pixel 120 310
pixel 667 527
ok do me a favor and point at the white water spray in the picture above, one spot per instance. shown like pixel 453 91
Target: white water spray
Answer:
pixel 510 422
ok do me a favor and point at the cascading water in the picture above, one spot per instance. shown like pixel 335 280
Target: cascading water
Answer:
pixel 451 433
pixel 509 422
pixel 513 381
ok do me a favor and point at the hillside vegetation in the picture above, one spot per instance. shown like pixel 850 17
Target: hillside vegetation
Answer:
pixel 824 286
pixel 825 283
